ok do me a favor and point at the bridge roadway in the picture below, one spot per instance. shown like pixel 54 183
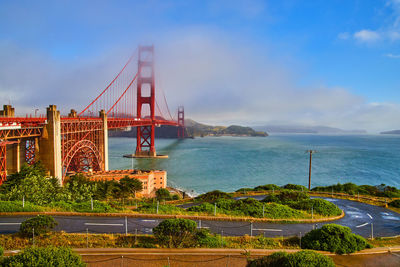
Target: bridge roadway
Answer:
pixel 359 217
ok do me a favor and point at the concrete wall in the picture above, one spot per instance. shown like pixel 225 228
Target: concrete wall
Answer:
pixel 50 143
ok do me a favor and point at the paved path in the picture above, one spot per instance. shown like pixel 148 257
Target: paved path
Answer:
pixel 359 217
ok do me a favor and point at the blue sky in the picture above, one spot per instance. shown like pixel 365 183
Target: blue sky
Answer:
pixel 319 62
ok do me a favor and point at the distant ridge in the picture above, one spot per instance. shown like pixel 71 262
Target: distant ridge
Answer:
pixel 193 129
pixel 391 132
pixel 306 129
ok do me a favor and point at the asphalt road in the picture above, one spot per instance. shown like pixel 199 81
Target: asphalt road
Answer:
pixel 360 217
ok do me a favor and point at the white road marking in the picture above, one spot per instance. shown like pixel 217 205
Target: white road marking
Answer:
pixel 361 225
pixel 270 230
pixel 10 223
pixel 203 227
pixel 148 220
pixel 369 216
pixel 105 224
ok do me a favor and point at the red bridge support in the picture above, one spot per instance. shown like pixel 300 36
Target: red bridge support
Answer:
pixel 145 134
pixel 181 122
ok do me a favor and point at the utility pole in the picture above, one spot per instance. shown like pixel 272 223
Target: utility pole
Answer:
pixel 309 170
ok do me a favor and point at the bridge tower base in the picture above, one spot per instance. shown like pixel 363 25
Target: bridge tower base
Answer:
pixel 50 143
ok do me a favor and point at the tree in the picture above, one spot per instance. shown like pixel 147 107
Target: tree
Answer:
pixel 107 189
pixel 79 188
pixel 129 186
pixel 49 256
pixel 37 189
pixel 162 194
pixel 41 223
pixel 175 233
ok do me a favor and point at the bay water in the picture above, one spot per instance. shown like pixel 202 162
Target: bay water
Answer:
pixel 229 163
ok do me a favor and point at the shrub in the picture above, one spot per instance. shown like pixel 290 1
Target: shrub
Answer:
pixel 319 206
pixel 351 189
pixel 175 233
pixel 287 196
pixel 50 256
pixel 175 197
pixel 271 198
pixel 86 206
pixel 395 203
pixel 1 253
pixel 41 223
pixel 244 190
pixel 290 195
pixel 264 242
pixel 267 187
pixel 295 187
pixel 205 239
pixel 213 196
pixel 298 259
pixel 204 207
pixel 248 207
pixel 334 238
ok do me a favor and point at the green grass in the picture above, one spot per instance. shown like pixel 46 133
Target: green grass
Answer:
pixel 12 206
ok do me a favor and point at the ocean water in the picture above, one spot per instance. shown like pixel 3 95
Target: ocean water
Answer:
pixel 229 163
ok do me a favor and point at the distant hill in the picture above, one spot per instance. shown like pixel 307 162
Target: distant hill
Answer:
pixel 306 129
pixel 391 132
pixel 193 129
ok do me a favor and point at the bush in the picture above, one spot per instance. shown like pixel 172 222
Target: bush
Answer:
pixel 175 197
pixel 1 253
pixel 334 238
pixel 264 242
pixel 41 223
pixel 86 206
pixel 244 190
pixel 205 239
pixel 248 207
pixel 213 196
pixel 175 233
pixel 50 256
pixel 295 187
pixel 298 259
pixel 319 206
pixel 290 195
pixel 395 203
pixel 351 189
pixel 267 187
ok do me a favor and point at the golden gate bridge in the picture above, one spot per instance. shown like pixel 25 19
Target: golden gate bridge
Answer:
pixel 79 141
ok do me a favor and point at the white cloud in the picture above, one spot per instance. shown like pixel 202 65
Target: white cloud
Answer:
pixel 221 82
pixel 367 36
pixel 217 79
pixel 388 31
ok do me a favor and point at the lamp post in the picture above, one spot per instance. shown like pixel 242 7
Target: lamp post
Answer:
pixel 309 170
